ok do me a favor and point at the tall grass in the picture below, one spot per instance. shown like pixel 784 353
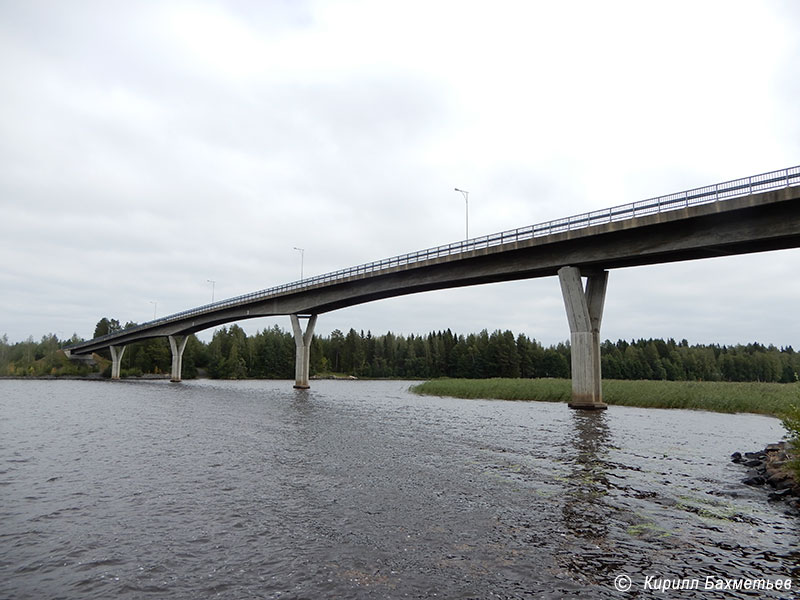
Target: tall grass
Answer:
pixel 761 398
pixel 791 420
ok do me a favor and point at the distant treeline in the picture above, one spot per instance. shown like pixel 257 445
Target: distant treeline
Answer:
pixel 270 353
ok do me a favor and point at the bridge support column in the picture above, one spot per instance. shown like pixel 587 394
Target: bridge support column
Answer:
pixel 116 360
pixel 584 313
pixel 303 356
pixel 177 344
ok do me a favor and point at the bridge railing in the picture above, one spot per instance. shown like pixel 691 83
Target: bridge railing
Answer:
pixel 702 195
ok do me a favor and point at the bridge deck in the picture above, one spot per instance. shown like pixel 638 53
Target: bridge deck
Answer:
pixel 753 214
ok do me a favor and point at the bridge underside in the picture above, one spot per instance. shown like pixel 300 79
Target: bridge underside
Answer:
pixel 757 223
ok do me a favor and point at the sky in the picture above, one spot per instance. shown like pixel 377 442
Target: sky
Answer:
pixel 149 148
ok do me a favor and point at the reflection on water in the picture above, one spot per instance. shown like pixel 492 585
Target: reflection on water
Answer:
pixel 362 490
pixel 583 512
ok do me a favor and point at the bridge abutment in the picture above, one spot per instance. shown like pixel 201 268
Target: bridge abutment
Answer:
pixel 177 344
pixel 303 357
pixel 584 314
pixel 116 360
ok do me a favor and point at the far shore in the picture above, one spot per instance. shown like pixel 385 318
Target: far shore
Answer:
pixel 773 399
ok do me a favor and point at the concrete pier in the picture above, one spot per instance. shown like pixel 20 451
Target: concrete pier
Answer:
pixel 116 360
pixel 177 344
pixel 303 356
pixel 584 314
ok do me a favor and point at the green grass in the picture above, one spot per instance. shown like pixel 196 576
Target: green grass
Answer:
pixel 724 397
pixel 791 420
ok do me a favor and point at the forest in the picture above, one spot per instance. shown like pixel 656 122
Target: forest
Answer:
pixel 270 353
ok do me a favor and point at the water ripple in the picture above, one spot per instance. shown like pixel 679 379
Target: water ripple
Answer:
pixel 362 490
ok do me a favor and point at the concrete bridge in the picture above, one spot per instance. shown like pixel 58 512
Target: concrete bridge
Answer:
pixel 752 214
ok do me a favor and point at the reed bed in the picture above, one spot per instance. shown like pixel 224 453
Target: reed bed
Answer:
pixel 717 396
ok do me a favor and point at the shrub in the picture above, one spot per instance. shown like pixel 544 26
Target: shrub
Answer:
pixel 791 420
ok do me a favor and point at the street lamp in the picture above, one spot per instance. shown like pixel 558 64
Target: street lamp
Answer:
pixel 302 252
pixel 213 285
pixel 155 306
pixel 466 201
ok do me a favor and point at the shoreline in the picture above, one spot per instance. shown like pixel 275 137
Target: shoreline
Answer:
pixel 772 399
pixel 770 468
pixel 150 376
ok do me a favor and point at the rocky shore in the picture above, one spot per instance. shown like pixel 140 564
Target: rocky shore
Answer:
pixel 770 468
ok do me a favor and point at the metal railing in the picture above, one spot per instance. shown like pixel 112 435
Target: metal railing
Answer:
pixel 703 195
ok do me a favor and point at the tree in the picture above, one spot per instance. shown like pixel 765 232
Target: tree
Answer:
pixel 105 326
pixel 554 364
pixel 502 357
pixel 336 347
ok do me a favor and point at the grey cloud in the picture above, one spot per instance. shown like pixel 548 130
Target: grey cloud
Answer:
pixel 131 173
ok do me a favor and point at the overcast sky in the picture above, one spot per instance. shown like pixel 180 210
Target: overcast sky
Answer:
pixel 149 147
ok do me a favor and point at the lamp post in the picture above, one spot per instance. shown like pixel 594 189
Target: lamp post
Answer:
pixel 302 252
pixel 155 306
pixel 213 285
pixel 466 202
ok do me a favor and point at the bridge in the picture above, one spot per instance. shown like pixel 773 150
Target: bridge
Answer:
pixel 752 214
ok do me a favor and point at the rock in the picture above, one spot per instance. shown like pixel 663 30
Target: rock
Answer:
pixel 775 466
pixel 753 478
pixel 772 466
pixel 758 455
pixel 777 477
pixel 779 495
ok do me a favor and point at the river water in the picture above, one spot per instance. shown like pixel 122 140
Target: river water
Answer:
pixel 251 489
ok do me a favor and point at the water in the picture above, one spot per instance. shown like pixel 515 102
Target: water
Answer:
pixel 362 490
